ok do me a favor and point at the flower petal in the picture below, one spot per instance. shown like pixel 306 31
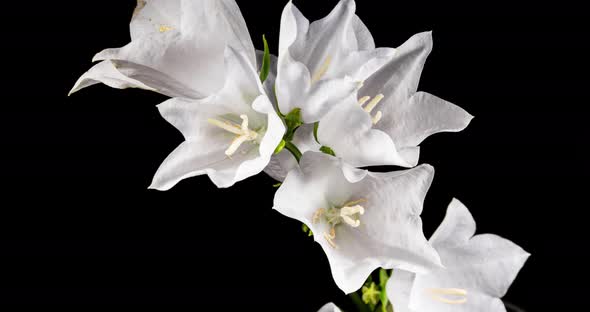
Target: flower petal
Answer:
pixel 421 116
pixel 329 307
pixel 205 146
pixel 399 290
pixel 398 79
pixel 185 40
pixel 349 131
pixel 107 73
pixel 390 234
pixel 483 266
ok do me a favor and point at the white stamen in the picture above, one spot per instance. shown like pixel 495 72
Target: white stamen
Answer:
pixel 322 70
pixel 374 103
pixel 364 100
pixel 439 293
pixel 242 131
pixel 377 117
pixel 347 212
pixel 225 125
pixel 317 215
pixel 360 85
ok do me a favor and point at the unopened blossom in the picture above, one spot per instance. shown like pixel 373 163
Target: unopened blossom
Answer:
pixel 229 135
pixel 321 63
pixel 177 48
pixel 362 220
pixel 478 270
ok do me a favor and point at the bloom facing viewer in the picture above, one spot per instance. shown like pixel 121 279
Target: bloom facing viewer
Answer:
pixel 229 136
pixel 478 270
pixel 362 220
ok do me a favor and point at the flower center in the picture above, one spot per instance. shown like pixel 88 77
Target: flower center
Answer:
pixel 348 214
pixel 242 132
pixel 322 70
pixel 449 295
pixel 371 105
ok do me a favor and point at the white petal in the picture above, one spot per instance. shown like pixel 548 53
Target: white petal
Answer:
pixel 205 146
pixel 362 34
pixel 399 78
pixel 149 15
pixel 329 307
pixel 184 40
pixel 484 265
pixel 349 131
pixel 390 234
pixel 421 116
pixel 456 229
pixel 107 73
pixel 399 290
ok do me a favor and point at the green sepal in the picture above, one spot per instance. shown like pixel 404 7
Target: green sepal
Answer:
pixel 306 229
pixel 280 147
pixel 277 185
pixel 292 121
pixel 265 68
pixel 326 150
pixel 315 131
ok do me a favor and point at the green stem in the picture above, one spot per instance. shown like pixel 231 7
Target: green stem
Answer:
pixel 356 299
pixel 294 150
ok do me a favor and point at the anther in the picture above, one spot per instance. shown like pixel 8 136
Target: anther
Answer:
pixel 322 70
pixel 364 100
pixel 377 117
pixel 374 103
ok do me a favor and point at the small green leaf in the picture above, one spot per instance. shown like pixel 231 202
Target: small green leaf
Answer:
pixel 327 150
pixel 293 121
pixel 277 185
pixel 280 147
pixel 265 68
pixel 315 131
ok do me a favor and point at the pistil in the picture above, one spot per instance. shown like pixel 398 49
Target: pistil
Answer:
pixel 242 132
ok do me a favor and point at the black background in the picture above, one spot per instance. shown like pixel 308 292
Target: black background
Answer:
pixel 78 224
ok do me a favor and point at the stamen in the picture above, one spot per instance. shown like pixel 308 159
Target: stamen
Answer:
pixel 347 211
pixel 322 70
pixel 364 100
pixel 374 103
pixel 439 293
pixel 360 85
pixel 317 215
pixel 164 28
pixel 242 131
pixel 330 237
pixel 235 144
pixel 225 125
pixel 377 117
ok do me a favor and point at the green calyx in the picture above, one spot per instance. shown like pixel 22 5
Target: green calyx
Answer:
pixel 265 68
pixel 327 150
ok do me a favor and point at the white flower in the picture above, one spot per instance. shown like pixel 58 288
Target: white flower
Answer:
pixel 362 220
pixel 329 307
pixel 388 118
pixel 176 48
pixel 229 136
pixel 478 270
pixel 323 62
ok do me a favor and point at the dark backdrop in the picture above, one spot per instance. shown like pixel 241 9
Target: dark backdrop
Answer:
pixel 78 224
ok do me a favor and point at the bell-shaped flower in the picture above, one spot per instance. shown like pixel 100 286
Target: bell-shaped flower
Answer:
pixel 478 270
pixel 177 48
pixel 362 220
pixel 387 119
pixel 229 135
pixel 321 63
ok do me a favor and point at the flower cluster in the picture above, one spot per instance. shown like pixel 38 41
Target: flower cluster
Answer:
pixel 328 104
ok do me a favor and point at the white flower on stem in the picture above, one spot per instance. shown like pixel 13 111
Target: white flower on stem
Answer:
pixel 329 307
pixel 362 220
pixel 323 62
pixel 176 48
pixel 229 135
pixel 387 119
pixel 478 270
